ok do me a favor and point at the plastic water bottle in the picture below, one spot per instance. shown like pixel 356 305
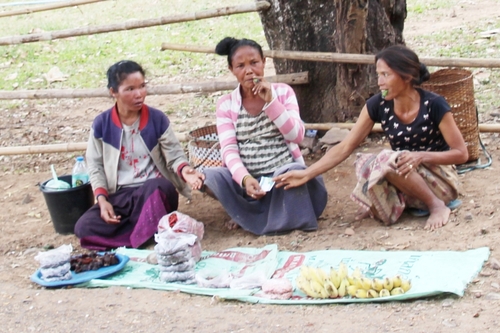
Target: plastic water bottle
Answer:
pixel 79 176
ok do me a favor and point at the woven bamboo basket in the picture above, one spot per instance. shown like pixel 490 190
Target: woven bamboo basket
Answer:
pixel 457 87
pixel 204 148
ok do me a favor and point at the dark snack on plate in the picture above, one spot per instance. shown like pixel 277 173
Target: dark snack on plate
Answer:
pixel 92 261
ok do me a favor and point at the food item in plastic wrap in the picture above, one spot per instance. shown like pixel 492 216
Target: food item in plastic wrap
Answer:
pixel 277 289
pixel 170 242
pixel 250 281
pixel 55 257
pixel 174 258
pixel 55 272
pixel 67 276
pixel 180 267
pixel 183 223
pixel 177 276
pixel 206 279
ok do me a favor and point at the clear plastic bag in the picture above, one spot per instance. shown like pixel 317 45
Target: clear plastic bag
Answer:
pixel 177 276
pixel 171 242
pixel 250 281
pixel 183 223
pixel 55 272
pixel 206 279
pixel 173 259
pixel 180 267
pixel 55 257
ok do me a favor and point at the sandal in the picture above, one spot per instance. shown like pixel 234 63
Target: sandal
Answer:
pixel 453 204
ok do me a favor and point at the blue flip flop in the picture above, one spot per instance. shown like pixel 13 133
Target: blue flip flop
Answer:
pixel 453 204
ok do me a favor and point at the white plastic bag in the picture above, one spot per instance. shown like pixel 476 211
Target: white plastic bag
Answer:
pixel 183 223
pixel 55 257
pixel 207 279
pixel 170 242
pixel 250 281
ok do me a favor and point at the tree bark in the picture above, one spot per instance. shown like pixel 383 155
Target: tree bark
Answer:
pixel 336 92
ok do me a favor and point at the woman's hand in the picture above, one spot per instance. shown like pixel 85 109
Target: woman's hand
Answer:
pixel 253 188
pixel 263 89
pixel 407 162
pixel 193 177
pixel 107 211
pixel 291 179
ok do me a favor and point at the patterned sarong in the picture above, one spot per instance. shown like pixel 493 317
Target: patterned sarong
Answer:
pixel 373 192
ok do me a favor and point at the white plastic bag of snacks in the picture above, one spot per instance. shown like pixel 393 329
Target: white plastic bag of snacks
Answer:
pixel 55 257
pixel 180 222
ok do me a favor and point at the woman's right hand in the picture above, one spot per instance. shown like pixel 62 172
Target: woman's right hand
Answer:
pixel 291 179
pixel 253 188
pixel 107 211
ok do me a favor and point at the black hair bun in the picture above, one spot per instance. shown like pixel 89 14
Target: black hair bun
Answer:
pixel 225 45
pixel 424 73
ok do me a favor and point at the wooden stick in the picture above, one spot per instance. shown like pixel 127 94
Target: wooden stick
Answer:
pixel 345 57
pixel 47 7
pixel 183 137
pixel 223 11
pixel 199 87
pixel 483 128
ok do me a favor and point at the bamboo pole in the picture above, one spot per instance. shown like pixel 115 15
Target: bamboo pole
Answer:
pixel 183 137
pixel 200 87
pixel 345 57
pixel 47 7
pixel 483 128
pixel 136 24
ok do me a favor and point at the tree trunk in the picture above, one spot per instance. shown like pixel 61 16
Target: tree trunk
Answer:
pixel 337 92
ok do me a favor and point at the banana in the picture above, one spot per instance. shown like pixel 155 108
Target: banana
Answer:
pixel 384 293
pixel 372 293
pixel 343 287
pixel 388 283
pixel 397 281
pixel 405 285
pixel 342 271
pixel 357 283
pixel 318 289
pixel 361 293
pixel 355 274
pixel 304 272
pixel 377 284
pixel 366 283
pixel 331 289
pixel 334 277
pixel 397 291
pixel 351 290
pixel 304 286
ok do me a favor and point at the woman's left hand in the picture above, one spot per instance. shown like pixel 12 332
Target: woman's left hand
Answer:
pixel 407 162
pixel 263 89
pixel 193 177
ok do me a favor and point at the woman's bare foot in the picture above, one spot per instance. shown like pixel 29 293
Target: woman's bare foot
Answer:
pixel 231 225
pixel 438 218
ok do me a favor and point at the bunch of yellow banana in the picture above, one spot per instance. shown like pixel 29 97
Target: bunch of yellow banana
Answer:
pixel 317 283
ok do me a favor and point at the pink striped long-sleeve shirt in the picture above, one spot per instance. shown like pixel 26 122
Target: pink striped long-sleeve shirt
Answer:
pixel 283 111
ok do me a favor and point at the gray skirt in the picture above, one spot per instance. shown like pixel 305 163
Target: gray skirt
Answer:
pixel 279 211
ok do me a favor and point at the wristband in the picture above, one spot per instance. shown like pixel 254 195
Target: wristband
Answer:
pixel 245 179
pixel 100 195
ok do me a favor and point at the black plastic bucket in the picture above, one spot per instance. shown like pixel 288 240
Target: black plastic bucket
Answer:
pixel 66 206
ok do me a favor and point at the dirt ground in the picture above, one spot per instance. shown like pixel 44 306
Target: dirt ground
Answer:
pixel 25 228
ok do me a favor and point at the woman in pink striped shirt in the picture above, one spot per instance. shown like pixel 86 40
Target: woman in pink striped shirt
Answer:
pixel 259 129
